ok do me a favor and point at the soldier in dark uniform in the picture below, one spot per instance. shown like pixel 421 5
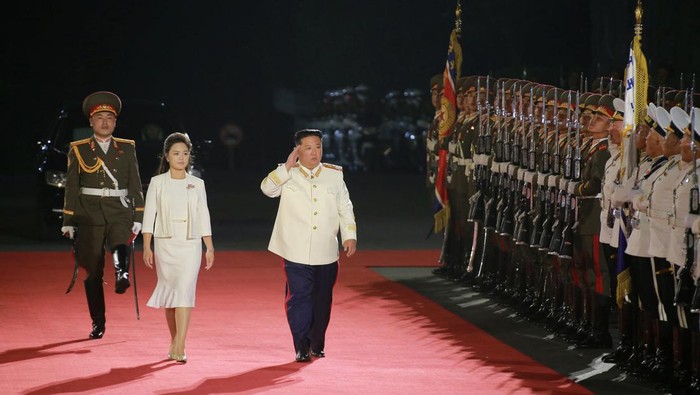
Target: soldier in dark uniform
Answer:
pixel 459 178
pixel 588 257
pixel 104 201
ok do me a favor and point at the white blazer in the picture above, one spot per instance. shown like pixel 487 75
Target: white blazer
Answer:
pixel 314 206
pixel 156 214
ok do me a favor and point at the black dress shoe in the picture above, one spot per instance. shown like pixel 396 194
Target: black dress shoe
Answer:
pixel 121 284
pixel 302 357
pixel 318 354
pixel 97 331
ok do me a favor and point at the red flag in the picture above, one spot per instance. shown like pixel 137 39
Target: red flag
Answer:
pixel 448 116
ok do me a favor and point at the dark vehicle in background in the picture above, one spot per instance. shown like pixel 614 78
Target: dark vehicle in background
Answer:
pixel 148 123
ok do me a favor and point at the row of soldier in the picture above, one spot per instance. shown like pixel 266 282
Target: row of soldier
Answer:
pixel 542 198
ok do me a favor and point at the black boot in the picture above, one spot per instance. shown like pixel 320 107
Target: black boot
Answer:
pixel 121 258
pixel 599 336
pixel 623 352
pixel 96 305
pixel 662 368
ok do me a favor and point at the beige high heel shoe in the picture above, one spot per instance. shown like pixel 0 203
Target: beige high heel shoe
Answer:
pixel 179 358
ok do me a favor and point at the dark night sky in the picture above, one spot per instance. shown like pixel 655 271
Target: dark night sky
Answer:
pixel 221 61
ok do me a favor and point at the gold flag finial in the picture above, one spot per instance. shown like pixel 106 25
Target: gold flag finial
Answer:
pixel 638 12
pixel 458 18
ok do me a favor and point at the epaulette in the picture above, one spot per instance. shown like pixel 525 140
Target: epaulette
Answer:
pixel 79 142
pixel 127 141
pixel 334 167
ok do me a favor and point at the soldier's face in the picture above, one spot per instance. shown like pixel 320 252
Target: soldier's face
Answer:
pixel 671 144
pixel 460 101
pixel 103 123
pixel 179 156
pixel 640 140
pixel 310 151
pixel 686 151
pixel 599 124
pixel 654 146
pixel 561 115
pixel 435 97
pixel 615 130
pixel 470 99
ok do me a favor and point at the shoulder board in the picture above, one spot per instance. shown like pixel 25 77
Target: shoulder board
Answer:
pixel 334 167
pixel 127 141
pixel 79 142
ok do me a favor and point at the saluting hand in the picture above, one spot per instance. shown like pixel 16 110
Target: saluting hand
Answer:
pixel 292 158
pixel 350 246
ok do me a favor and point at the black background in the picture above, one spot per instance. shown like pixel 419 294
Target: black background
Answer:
pixel 259 64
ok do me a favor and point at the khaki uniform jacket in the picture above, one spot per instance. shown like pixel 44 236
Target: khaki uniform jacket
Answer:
pixel 86 168
pixel 314 206
pixel 591 182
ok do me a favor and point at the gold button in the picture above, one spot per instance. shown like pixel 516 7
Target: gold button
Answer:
pixel 314 228
pixel 314 199
pixel 115 170
pixel 314 186
pixel 315 212
pixel 312 177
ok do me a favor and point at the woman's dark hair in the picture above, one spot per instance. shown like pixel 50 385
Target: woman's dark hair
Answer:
pixel 171 140
pixel 306 133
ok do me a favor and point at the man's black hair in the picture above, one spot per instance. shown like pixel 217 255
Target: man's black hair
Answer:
pixel 306 133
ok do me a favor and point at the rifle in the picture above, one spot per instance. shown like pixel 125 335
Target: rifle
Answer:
pixel 567 244
pixel 476 204
pixel 550 192
pixel 507 223
pixel 495 176
pixel 526 198
pixel 542 192
pixel 561 201
pixel 686 291
pixel 485 169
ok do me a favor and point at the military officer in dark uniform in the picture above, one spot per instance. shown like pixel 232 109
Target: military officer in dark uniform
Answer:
pixel 103 202
pixel 588 258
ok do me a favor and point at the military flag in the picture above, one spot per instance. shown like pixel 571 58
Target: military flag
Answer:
pixel 636 84
pixel 448 116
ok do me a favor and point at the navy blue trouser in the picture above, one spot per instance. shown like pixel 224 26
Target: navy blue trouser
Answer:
pixel 309 296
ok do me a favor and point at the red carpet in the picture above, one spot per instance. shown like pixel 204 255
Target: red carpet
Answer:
pixel 383 338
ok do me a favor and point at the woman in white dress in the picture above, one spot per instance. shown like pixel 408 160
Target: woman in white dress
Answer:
pixel 176 216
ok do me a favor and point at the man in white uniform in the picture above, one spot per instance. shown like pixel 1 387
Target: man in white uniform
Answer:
pixel 314 206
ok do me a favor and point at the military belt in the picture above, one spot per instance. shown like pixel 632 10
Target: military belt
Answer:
pixel 104 192
pixel 656 214
pixel 462 161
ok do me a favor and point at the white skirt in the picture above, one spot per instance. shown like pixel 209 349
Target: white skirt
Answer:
pixel 177 262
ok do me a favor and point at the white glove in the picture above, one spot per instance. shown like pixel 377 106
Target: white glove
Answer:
pixel 136 228
pixel 621 195
pixel 690 220
pixel 639 202
pixel 68 231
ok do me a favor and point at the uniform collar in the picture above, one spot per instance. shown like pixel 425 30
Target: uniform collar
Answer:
pixel 106 141
pixel 310 173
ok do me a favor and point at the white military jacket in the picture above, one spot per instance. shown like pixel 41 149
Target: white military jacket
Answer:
pixel 661 207
pixel 638 242
pixel 612 166
pixel 314 206
pixel 681 208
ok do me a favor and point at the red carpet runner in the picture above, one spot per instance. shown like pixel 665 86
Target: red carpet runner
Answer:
pixel 383 338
